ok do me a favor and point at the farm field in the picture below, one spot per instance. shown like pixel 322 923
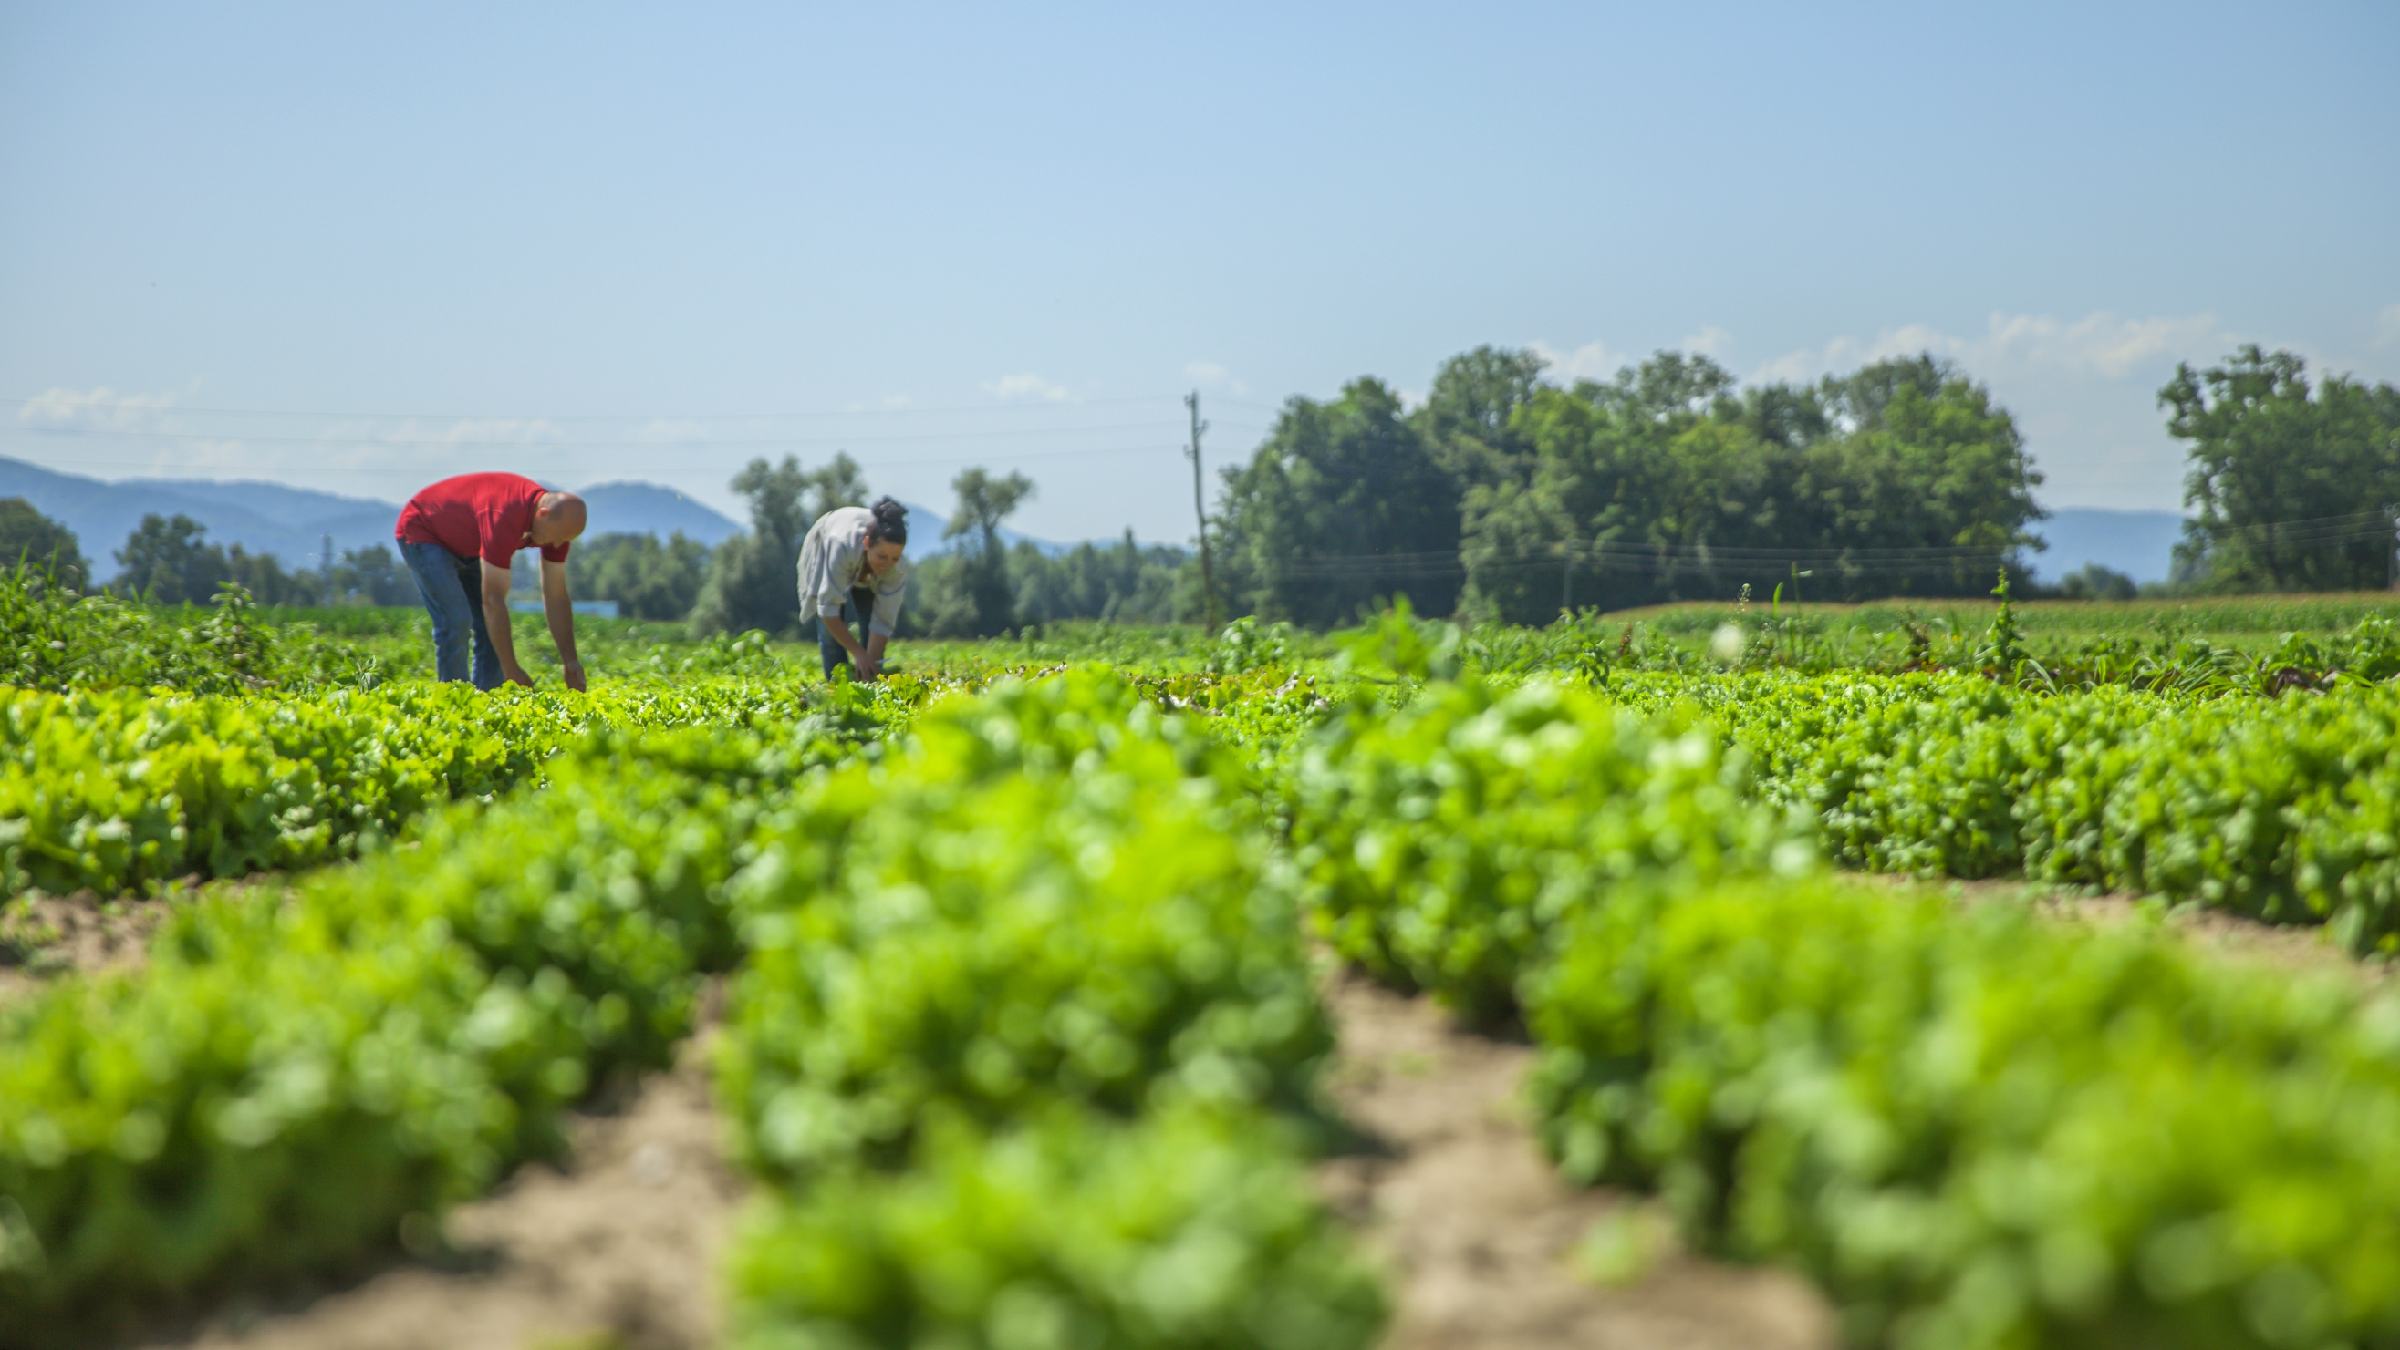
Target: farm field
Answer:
pixel 1720 976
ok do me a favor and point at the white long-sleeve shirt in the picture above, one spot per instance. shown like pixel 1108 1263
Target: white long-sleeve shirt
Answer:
pixel 834 558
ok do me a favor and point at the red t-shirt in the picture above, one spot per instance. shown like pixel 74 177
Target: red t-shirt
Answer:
pixel 477 515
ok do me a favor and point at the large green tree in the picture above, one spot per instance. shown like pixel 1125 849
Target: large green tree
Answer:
pixel 30 539
pixel 980 599
pixel 1670 482
pixel 168 559
pixel 268 581
pixel 372 576
pixel 1526 533
pixel 1470 413
pixel 1344 506
pixel 2290 483
pixel 752 579
pixel 1122 582
pixel 1930 487
pixel 647 578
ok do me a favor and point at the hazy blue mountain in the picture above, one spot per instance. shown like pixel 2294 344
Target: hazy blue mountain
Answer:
pixel 291 523
pixel 2141 544
pixel 278 502
pixel 101 514
pixel 647 508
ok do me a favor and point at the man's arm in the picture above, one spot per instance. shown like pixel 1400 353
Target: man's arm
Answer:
pixel 495 622
pixel 561 613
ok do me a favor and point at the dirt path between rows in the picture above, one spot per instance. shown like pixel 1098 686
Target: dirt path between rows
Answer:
pixel 2293 948
pixel 619 1249
pixel 1479 1235
pixel 1480 1240
pixel 43 937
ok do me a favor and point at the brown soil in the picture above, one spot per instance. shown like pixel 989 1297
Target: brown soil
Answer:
pixel 617 1250
pixel 2284 947
pixel 1480 1236
pixel 1481 1241
pixel 45 936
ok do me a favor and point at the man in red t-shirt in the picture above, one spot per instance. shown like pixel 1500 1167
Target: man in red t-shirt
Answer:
pixel 459 537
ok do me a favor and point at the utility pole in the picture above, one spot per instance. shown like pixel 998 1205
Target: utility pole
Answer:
pixel 325 575
pixel 2391 564
pixel 1566 586
pixel 1208 575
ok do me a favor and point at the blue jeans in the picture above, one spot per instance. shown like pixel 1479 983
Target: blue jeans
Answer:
pixel 453 591
pixel 860 603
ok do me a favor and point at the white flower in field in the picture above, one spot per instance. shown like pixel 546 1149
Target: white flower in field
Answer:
pixel 1726 644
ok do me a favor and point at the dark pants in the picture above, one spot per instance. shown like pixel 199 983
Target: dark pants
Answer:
pixel 855 611
pixel 453 590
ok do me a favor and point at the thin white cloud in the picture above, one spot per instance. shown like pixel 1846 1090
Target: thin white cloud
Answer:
pixel 100 409
pixel 2102 342
pixel 208 459
pixel 1846 353
pixel 1711 341
pixel 669 431
pixel 1591 361
pixel 1213 375
pixel 488 431
pixel 2078 386
pixel 1026 387
pixel 2099 345
pixel 2387 327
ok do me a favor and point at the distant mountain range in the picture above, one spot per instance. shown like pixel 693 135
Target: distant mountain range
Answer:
pixel 292 523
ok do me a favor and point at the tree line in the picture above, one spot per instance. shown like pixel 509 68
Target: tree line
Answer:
pixel 170 560
pixel 980 588
pixel 1508 497
pixel 1505 495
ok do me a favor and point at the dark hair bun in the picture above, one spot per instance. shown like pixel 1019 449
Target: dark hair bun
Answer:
pixel 891 521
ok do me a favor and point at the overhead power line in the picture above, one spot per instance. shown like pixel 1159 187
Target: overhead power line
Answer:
pixel 675 443
pixel 993 406
pixel 555 453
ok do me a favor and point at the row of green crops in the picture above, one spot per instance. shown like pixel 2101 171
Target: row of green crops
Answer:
pixel 1026 1049
pixel 1443 842
pixel 1024 999
pixel 57 639
pixel 1024 1052
pixel 1971 1130
pixel 109 791
pixel 2285 810
pixel 1980 1130
pixel 292 1076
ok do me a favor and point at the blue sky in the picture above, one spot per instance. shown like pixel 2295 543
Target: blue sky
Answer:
pixel 597 242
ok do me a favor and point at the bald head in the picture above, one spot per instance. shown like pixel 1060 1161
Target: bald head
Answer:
pixel 557 518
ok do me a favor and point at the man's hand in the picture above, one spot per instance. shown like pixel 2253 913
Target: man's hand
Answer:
pixel 515 674
pixel 574 673
pixel 867 666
